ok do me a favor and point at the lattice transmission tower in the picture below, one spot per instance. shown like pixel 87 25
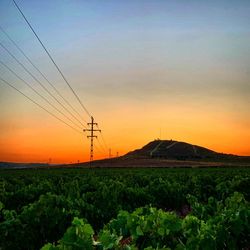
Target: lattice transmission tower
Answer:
pixel 92 129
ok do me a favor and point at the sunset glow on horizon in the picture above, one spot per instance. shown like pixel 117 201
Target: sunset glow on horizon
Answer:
pixel 144 69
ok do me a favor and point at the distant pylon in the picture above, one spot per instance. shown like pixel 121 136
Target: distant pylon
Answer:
pixel 92 136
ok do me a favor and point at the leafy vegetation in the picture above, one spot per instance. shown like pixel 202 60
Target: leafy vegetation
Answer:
pixel 125 209
pixel 227 227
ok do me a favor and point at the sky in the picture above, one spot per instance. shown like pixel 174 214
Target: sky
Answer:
pixel 144 69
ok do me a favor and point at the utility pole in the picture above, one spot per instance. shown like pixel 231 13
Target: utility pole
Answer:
pixel 92 136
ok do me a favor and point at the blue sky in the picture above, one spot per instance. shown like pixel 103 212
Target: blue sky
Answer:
pixel 192 54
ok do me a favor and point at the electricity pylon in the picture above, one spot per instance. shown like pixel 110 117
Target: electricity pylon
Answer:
pixel 92 136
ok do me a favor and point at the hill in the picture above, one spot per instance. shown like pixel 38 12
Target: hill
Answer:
pixel 170 149
pixel 169 153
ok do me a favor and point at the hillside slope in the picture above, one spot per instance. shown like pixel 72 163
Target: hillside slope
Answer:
pixel 170 149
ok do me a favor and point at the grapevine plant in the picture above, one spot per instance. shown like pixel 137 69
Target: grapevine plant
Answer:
pixel 216 225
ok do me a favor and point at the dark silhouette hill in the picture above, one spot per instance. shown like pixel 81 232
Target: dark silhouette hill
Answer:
pixel 170 153
pixel 170 149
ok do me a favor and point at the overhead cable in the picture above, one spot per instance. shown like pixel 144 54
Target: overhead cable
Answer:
pixel 44 98
pixel 51 58
pixel 28 71
pixel 45 78
pixel 13 87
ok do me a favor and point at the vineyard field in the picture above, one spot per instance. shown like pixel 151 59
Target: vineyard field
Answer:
pixel 138 208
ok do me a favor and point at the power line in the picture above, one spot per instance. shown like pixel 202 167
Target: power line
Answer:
pixel 104 141
pixel 102 148
pixel 22 65
pixel 98 149
pixel 58 69
pixel 10 85
pixel 44 98
pixel 45 78
pixel 105 148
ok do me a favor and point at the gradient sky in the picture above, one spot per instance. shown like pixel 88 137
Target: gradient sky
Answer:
pixel 145 69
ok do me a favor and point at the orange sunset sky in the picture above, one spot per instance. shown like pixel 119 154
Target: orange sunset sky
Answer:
pixel 144 69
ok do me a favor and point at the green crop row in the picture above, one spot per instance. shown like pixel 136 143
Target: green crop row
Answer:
pixel 37 206
pixel 217 225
